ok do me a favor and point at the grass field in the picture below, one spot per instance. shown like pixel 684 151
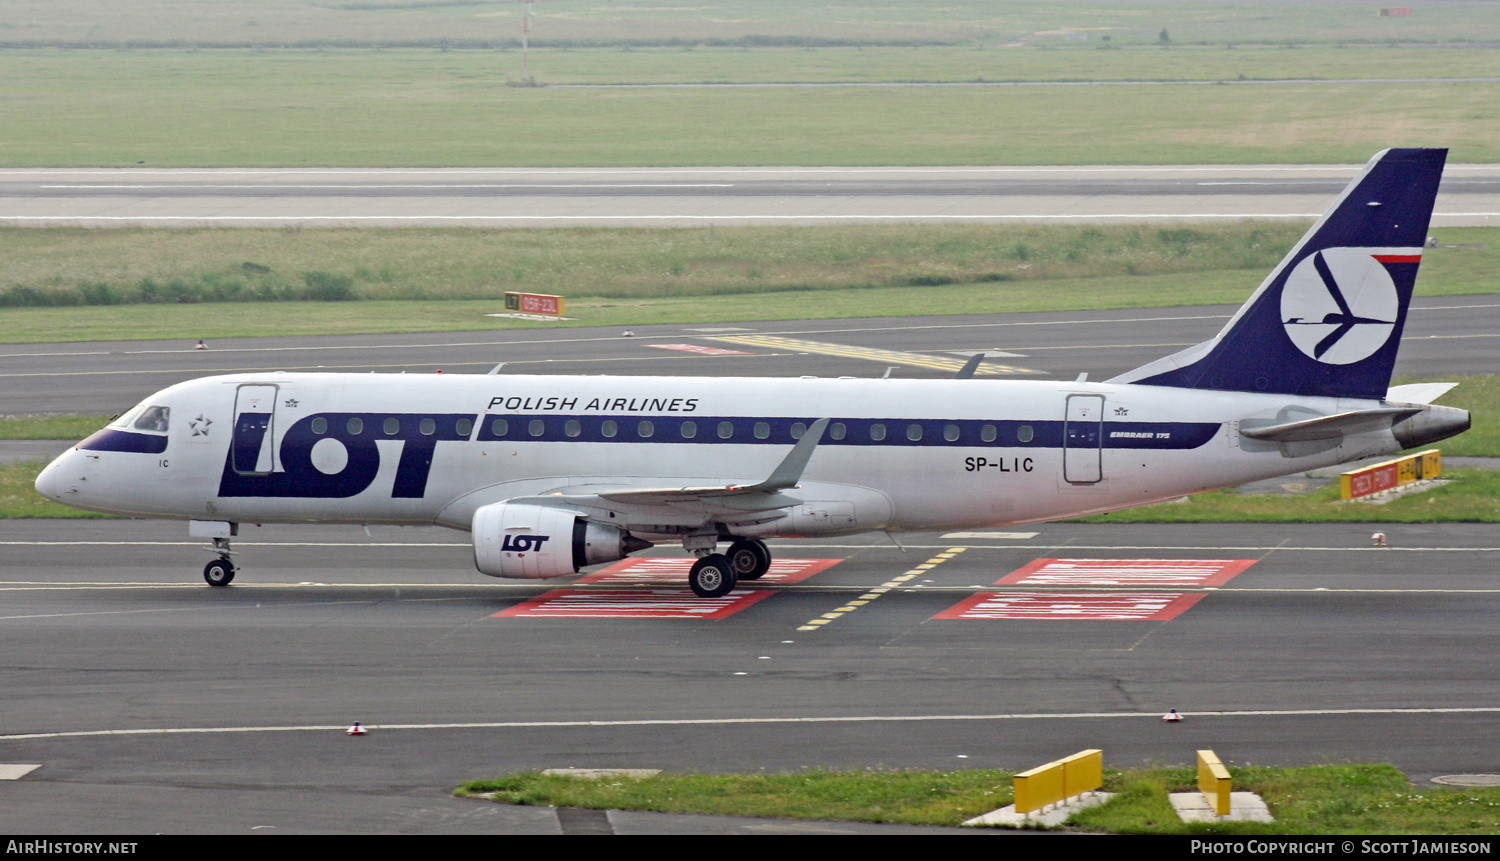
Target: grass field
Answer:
pixel 417 83
pixel 80 266
pixel 448 280
pixel 578 23
pixel 428 109
pixel 1326 799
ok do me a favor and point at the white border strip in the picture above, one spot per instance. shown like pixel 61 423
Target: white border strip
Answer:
pixel 570 724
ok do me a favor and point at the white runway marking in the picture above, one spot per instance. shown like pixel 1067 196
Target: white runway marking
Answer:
pixel 569 724
pixel 1036 545
pixel 424 187
pixel 86 220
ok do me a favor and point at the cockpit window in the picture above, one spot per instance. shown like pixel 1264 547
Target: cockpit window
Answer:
pixel 153 419
pixel 124 421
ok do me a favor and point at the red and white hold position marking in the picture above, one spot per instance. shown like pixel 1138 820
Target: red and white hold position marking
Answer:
pixel 660 591
pixel 1127 572
pixel 1113 606
pixel 1155 605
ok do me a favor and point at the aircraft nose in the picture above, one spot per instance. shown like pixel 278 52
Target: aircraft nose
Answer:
pixel 49 480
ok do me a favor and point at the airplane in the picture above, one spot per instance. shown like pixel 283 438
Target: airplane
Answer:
pixel 553 474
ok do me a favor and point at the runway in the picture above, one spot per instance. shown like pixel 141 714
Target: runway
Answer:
pixel 1444 335
pixel 695 197
pixel 154 703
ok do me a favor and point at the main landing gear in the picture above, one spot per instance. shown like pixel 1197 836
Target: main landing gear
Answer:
pixel 220 572
pixel 716 574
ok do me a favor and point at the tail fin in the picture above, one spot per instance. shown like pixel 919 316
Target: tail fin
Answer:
pixel 1328 319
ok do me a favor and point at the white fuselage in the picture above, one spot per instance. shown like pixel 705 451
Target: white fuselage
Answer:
pixel 897 455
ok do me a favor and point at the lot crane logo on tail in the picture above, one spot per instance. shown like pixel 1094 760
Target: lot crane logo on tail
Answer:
pixel 1340 305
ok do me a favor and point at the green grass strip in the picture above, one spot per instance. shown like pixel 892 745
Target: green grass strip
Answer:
pixel 50 427
pixel 1327 799
pixel 162 108
pixel 77 285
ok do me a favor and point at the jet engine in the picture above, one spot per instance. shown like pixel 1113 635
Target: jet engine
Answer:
pixel 536 541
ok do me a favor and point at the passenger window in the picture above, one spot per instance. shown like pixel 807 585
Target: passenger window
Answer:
pixel 392 426
pixel 914 432
pixel 689 430
pixel 950 433
pixel 726 430
pixel 1024 433
pixel 153 419
pixel 837 430
pixel 499 427
pixel 538 427
pixel 320 425
pixel 798 429
pixel 573 428
pixel 762 430
pixel 987 433
pixel 356 426
pixel 877 432
pixel 645 429
pixel 463 428
pixel 428 427
pixel 609 428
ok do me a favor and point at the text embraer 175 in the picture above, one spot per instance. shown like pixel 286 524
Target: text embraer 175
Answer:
pixel 551 474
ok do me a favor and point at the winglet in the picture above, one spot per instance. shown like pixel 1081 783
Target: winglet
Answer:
pixel 789 472
pixel 967 371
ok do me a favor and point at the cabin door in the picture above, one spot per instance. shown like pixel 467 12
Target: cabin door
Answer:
pixel 253 449
pixel 1083 439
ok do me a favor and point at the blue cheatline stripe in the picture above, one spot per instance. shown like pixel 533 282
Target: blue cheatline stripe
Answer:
pixel 118 440
pixel 710 430
pixel 742 430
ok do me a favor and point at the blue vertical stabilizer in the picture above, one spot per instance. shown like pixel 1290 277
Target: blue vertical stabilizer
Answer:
pixel 1328 320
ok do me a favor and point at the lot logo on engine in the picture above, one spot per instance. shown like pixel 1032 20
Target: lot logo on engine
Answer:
pixel 523 543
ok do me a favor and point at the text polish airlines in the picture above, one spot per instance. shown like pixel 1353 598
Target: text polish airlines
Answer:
pixel 554 473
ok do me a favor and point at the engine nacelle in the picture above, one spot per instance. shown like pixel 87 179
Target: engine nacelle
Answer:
pixel 536 541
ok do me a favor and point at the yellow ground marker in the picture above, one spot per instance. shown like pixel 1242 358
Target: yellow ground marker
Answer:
pixel 890 357
pixel 894 582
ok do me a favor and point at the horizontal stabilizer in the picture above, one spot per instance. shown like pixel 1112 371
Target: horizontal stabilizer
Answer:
pixel 1418 393
pixel 1326 427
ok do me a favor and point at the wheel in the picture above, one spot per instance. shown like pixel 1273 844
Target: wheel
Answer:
pixel 749 558
pixel 712 577
pixel 219 572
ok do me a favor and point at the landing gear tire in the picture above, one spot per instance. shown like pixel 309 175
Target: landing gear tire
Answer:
pixel 712 576
pixel 750 558
pixel 219 572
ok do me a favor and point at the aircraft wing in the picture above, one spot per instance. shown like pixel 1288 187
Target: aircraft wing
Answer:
pixel 729 498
